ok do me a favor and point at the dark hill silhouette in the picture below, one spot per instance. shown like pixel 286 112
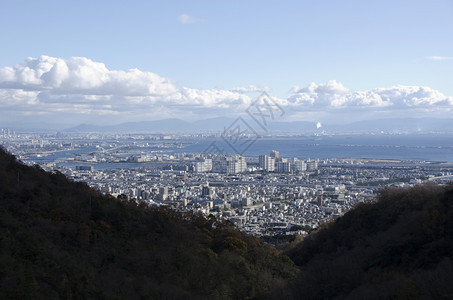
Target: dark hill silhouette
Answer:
pixel 63 240
pixel 400 247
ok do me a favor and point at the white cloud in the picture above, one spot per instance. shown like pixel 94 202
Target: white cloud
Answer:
pixel 188 19
pixel 78 89
pixel 334 95
pixel 81 75
pixel 12 98
pixel 440 57
pixel 79 85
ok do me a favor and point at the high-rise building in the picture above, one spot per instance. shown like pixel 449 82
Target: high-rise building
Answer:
pixel 267 163
pixel 203 166
pixel 246 201
pixel 207 191
pixel 236 164
pixel 320 201
pixel 283 167
pixel 262 161
pixel 163 193
pixel 312 165
pixel 275 154
pixel 219 165
pixel 299 165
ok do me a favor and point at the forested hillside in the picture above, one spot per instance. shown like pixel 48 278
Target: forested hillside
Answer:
pixel 400 247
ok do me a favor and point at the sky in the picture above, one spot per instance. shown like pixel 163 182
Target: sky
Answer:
pixel 107 62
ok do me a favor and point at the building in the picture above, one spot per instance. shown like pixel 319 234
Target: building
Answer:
pixel 246 201
pixel 137 159
pixel 84 168
pixel 267 163
pixel 275 154
pixel 312 165
pixel 236 164
pixel 299 165
pixel 163 193
pixel 203 166
pixel 219 165
pixel 284 167
pixel 207 191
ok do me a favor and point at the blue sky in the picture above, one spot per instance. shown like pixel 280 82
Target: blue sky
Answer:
pixel 207 50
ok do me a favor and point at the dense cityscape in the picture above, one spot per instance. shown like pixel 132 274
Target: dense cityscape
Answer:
pixel 264 195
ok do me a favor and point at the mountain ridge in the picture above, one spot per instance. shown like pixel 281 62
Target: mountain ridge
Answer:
pixel 399 247
pixel 217 125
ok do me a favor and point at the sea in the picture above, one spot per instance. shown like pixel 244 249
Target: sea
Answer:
pixel 415 147
pixel 422 147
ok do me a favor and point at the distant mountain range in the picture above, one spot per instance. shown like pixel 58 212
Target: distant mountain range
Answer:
pixel 217 125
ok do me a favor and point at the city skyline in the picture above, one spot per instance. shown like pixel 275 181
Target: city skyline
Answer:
pixel 107 63
pixel 264 194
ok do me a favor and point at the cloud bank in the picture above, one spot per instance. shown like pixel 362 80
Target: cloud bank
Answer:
pixel 79 89
pixel 334 96
pixel 81 86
